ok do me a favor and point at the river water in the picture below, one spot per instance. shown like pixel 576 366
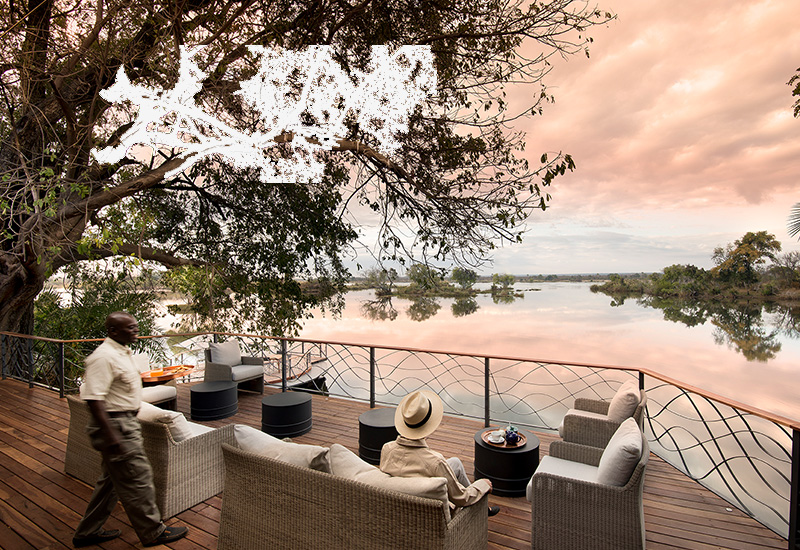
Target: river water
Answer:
pixel 566 322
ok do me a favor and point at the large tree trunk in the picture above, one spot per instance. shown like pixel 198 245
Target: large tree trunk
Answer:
pixel 19 286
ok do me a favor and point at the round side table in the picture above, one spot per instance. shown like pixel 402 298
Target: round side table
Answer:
pixel 375 427
pixel 508 468
pixel 286 414
pixel 213 400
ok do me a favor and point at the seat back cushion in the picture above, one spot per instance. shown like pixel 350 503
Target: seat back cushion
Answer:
pixel 226 353
pixel 178 426
pixel 624 402
pixel 621 455
pixel 345 463
pixel 257 442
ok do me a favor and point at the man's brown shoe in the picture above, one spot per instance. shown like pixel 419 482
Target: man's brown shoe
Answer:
pixel 169 534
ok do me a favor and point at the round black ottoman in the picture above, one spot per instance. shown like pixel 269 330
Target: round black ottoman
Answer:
pixel 213 400
pixel 286 414
pixel 375 427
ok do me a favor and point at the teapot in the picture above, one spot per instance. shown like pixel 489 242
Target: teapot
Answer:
pixel 512 435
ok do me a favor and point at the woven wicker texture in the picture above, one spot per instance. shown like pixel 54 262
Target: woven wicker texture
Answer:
pixel 567 514
pixel 185 473
pixel 218 371
pixel 268 504
pixel 596 432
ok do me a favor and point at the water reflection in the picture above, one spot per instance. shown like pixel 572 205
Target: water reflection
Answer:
pixel 423 308
pixel 749 329
pixel 464 306
pixel 380 309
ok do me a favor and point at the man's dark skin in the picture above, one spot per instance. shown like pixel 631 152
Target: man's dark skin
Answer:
pixel 123 329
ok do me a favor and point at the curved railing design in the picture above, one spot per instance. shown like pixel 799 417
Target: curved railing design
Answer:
pixel 744 458
pixel 749 457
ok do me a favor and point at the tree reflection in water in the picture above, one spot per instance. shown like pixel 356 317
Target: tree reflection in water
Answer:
pixel 423 308
pixel 464 306
pixel 380 309
pixel 751 329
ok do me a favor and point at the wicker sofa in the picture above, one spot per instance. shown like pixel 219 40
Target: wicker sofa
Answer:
pixel 185 472
pixel 268 503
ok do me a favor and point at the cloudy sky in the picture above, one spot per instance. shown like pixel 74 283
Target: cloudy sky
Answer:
pixel 681 126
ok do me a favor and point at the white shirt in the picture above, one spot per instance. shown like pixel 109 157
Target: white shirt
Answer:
pixel 112 376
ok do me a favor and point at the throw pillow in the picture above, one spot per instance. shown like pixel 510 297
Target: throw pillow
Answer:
pixel 624 402
pixel 226 353
pixel 177 424
pixel 621 455
pixel 346 463
pixel 257 442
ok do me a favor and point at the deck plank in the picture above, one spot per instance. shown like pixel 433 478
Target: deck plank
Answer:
pixel 40 506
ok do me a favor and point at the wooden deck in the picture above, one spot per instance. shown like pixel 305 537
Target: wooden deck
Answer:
pixel 40 505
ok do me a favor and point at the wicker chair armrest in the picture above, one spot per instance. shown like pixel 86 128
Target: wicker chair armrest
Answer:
pixel 592 405
pixel 469 527
pixel 186 472
pixel 217 371
pixel 252 360
pixel 576 452
pixel 588 430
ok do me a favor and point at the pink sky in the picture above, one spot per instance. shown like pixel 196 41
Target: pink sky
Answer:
pixel 681 127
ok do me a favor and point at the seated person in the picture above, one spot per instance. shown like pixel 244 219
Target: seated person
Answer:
pixel 417 416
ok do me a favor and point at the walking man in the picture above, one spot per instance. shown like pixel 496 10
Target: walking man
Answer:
pixel 112 388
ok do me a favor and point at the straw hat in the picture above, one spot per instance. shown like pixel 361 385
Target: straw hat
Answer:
pixel 418 414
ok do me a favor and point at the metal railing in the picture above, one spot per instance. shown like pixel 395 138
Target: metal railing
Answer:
pixel 749 457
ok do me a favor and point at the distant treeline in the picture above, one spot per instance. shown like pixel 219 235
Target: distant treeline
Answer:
pixel 748 268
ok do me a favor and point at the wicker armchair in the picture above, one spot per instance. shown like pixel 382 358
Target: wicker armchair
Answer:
pixel 247 372
pixel 185 473
pixel 588 423
pixel 270 504
pixel 573 514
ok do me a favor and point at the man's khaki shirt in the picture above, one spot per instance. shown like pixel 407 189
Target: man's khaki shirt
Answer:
pixel 112 376
pixel 413 458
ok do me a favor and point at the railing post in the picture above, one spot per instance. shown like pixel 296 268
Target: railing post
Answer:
pixel 372 378
pixel 30 362
pixel 3 355
pixel 283 365
pixel 794 503
pixel 486 407
pixel 60 366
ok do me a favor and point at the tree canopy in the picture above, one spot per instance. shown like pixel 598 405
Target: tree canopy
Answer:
pixel 458 183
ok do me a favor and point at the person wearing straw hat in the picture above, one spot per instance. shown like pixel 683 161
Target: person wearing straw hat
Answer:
pixel 416 417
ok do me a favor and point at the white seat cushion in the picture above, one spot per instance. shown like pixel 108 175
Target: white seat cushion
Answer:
pixel 621 455
pixel 625 401
pixel 226 353
pixel 157 394
pixel 563 468
pixel 246 372
pixel 257 442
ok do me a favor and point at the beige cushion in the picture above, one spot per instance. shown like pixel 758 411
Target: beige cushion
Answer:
pixel 178 426
pixel 157 394
pixel 551 465
pixel 621 455
pixel 257 442
pixel 345 463
pixel 624 402
pixel 226 353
